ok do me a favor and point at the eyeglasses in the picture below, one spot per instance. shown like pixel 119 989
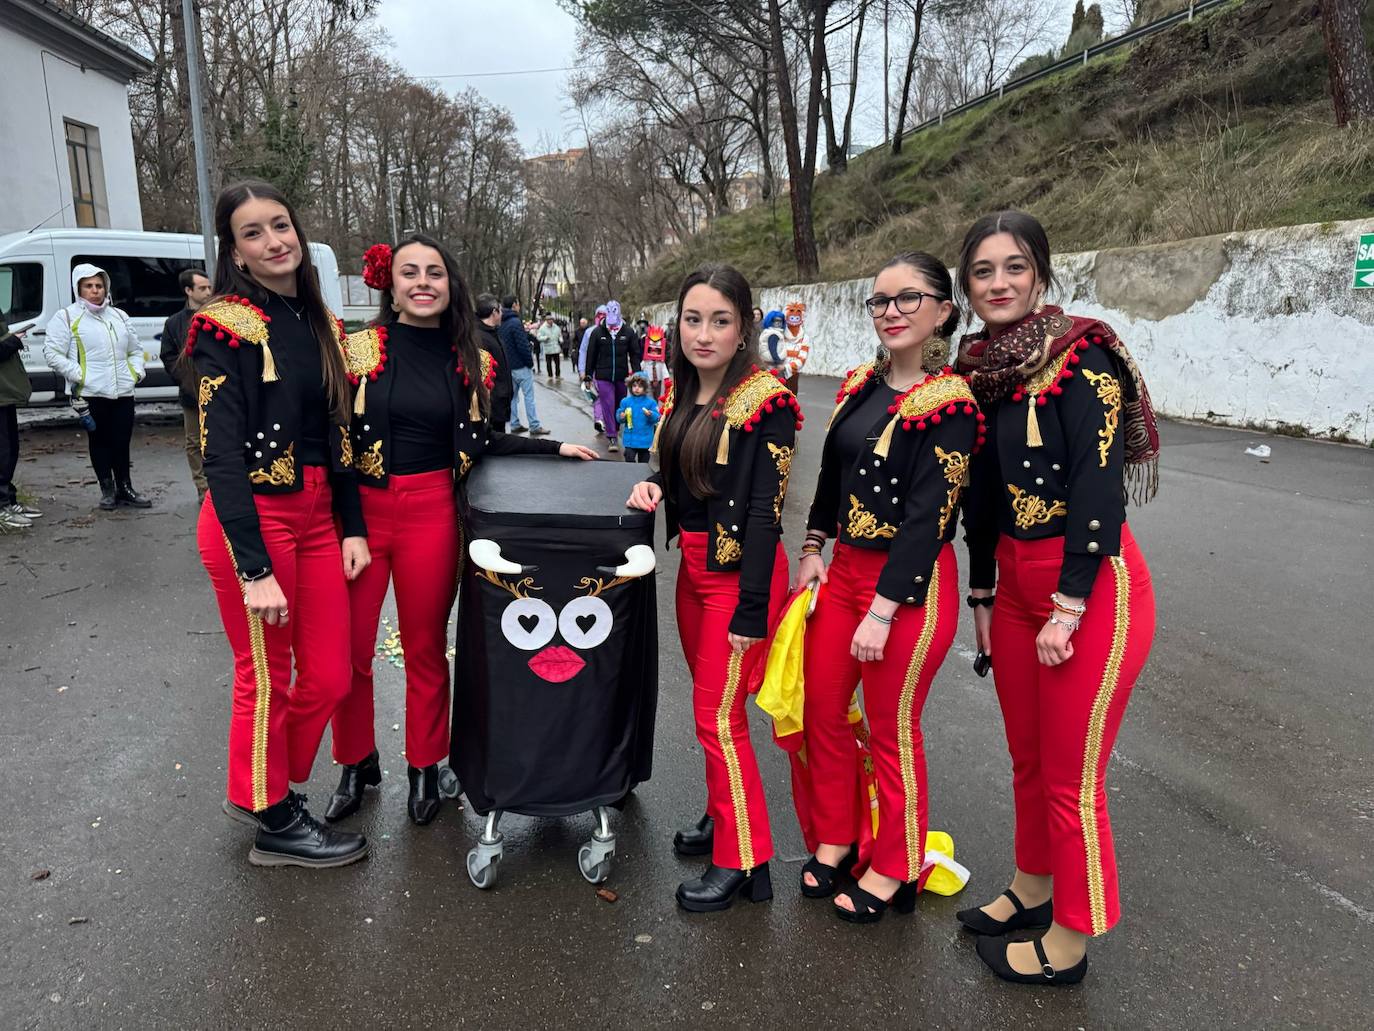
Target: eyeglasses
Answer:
pixel 908 303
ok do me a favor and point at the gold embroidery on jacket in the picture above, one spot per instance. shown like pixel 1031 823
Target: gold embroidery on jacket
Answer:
pixel 208 386
pixel 281 473
pixel 464 462
pixel 864 525
pixel 728 550
pixel 369 463
pixel 345 447
pixel 1030 509
pixel 1109 393
pixel 955 466
pixel 1049 375
pixel 933 395
pixel 750 396
pixel 782 458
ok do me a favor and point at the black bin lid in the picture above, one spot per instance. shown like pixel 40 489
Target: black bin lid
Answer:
pixel 540 490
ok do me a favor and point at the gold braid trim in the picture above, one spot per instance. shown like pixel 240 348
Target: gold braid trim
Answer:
pixel 281 473
pixel 1092 751
pixel 363 351
pixel 726 741
pixel 241 320
pixel 1030 509
pixel 933 395
pixel 955 465
pixel 1049 375
pixel 864 525
pixel 906 752
pixel 1109 393
pixel 852 383
pixel 262 699
pixel 750 396
pixel 208 386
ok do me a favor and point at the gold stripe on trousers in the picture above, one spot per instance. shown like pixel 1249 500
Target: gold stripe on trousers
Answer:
pixel 1092 752
pixel 906 755
pixel 262 701
pixel 732 770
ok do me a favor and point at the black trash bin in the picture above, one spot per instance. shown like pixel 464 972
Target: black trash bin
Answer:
pixel 556 663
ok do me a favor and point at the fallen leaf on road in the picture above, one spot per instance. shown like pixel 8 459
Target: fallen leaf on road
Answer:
pixel 644 939
pixel 606 895
pixel 79 920
pixel 40 875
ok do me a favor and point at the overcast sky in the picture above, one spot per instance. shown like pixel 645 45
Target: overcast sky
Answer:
pixel 470 39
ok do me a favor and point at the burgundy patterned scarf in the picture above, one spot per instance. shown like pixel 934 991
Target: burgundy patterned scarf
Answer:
pixel 996 366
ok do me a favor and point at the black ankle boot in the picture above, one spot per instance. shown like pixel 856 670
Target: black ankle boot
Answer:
pixel 716 888
pixel 108 496
pixel 348 796
pixel 697 839
pixel 126 496
pixel 290 836
pixel 423 803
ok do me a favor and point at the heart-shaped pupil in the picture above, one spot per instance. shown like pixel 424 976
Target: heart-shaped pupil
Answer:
pixel 585 623
pixel 528 623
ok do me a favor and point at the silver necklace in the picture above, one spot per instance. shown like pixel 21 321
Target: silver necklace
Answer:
pixel 299 314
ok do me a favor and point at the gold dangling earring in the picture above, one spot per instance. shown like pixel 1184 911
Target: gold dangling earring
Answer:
pixel 1039 303
pixel 238 264
pixel 935 355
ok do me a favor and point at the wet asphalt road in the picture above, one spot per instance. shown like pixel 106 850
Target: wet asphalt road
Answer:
pixel 1242 795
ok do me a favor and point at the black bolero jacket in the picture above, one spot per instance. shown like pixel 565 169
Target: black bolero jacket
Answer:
pixel 250 427
pixel 750 477
pixel 902 494
pixel 1054 467
pixel 472 433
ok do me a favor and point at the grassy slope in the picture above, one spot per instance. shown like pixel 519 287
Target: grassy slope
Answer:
pixel 1220 125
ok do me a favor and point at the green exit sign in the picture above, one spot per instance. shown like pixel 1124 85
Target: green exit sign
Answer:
pixel 1364 263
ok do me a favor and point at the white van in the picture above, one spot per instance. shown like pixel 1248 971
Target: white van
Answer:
pixel 35 282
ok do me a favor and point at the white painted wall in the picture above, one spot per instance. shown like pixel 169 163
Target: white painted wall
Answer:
pixel 1258 328
pixel 41 89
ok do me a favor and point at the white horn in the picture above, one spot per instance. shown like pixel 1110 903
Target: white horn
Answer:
pixel 639 561
pixel 487 555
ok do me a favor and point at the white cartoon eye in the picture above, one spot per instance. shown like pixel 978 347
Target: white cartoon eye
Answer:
pixel 585 622
pixel 529 623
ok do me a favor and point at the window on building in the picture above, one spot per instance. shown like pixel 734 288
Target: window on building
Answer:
pixel 88 176
pixel 142 287
pixel 21 292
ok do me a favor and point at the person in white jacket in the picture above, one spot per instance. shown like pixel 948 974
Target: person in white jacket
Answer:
pixel 96 349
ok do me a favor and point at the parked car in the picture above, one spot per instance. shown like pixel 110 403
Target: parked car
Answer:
pixel 35 281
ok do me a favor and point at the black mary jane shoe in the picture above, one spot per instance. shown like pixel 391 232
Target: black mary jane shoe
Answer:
pixel 869 909
pixel 423 803
pixel 353 778
pixel 993 952
pixel 697 839
pixel 1022 919
pixel 716 889
pixel 827 877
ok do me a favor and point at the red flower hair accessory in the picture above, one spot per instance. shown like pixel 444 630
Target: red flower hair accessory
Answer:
pixel 377 266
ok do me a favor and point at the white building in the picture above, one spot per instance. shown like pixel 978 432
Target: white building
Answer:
pixel 64 116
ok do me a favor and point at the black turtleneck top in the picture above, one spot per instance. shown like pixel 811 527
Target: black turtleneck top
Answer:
pixel 297 355
pixel 420 362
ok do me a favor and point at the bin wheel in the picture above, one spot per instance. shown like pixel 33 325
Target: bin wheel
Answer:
pixel 482 874
pixel 593 869
pixel 448 783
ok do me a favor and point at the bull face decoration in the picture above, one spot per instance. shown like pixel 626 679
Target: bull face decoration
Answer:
pixel 531 624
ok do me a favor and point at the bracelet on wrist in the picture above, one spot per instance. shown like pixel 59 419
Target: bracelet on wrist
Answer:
pixel 986 603
pixel 884 620
pixel 249 576
pixel 1072 624
pixel 1073 610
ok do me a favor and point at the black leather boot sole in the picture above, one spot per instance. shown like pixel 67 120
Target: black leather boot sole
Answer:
pixel 304 841
pixel 353 778
pixel 717 887
pixel 239 814
pixel 697 840
pixel 423 803
pixel 978 922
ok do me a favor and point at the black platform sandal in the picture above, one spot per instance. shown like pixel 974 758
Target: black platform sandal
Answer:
pixel 827 877
pixel 869 909
pixel 978 922
pixel 993 952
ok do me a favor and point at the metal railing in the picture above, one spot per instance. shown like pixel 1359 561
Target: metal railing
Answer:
pixel 1081 58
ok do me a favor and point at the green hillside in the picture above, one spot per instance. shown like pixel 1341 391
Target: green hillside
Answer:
pixel 1218 125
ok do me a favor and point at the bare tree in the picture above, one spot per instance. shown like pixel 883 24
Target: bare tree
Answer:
pixel 917 8
pixel 1347 61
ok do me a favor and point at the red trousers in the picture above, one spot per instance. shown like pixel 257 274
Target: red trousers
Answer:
pixel 721 681
pixel 895 690
pixel 412 533
pixel 1061 721
pixel 275 726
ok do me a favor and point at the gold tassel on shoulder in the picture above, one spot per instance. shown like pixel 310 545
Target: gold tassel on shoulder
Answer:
pixel 653 448
pixel 1032 424
pixel 884 444
pixel 360 398
pixel 269 366
pixel 474 409
pixel 723 450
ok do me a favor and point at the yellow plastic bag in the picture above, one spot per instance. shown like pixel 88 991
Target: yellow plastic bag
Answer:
pixel 782 695
pixel 946 876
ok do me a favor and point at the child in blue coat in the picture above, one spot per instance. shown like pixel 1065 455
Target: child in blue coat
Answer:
pixel 638 413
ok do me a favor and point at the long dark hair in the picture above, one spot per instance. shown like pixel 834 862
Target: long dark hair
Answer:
pixel 458 320
pixel 696 447
pixel 230 279
pixel 1024 229
pixel 933 271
